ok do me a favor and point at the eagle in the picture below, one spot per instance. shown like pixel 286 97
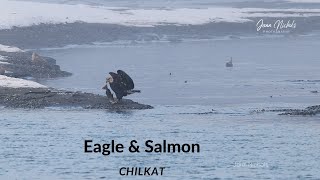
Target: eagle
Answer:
pixel 121 84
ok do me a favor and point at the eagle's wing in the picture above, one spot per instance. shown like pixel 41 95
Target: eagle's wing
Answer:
pixel 115 77
pixel 126 80
pixel 116 85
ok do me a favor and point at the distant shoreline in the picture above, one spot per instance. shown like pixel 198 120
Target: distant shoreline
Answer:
pixel 80 33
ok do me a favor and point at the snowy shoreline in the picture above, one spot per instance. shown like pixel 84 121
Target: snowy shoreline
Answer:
pixel 86 24
pixel 10 82
pixel 22 14
pixel 89 33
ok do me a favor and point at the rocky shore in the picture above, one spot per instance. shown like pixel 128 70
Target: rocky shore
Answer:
pixel 29 64
pixel 33 98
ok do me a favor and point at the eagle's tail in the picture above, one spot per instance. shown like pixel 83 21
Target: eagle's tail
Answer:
pixel 133 91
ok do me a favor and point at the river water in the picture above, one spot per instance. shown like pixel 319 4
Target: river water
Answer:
pixel 214 108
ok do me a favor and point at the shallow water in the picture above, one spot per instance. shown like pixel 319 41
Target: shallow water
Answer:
pixel 214 108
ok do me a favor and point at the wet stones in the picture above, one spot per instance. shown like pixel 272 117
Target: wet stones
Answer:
pixel 33 98
pixel 309 111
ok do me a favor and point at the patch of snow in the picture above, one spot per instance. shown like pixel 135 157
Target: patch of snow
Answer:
pixel 18 13
pixel 9 48
pixel 18 83
pixel 2 62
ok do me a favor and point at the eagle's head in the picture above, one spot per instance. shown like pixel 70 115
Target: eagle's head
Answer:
pixel 109 80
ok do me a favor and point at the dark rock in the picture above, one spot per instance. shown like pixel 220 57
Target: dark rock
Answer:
pixel 42 97
pixel 27 64
pixel 309 111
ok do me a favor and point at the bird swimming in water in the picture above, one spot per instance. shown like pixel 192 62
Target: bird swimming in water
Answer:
pixel 229 64
pixel 121 84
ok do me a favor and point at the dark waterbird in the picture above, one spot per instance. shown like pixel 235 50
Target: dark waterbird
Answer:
pixel 121 84
pixel 229 64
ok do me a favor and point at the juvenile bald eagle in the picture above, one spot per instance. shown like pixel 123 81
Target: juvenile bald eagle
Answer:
pixel 121 84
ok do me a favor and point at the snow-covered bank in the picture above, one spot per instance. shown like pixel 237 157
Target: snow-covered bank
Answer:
pixel 17 13
pixel 10 82
pixel 9 49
